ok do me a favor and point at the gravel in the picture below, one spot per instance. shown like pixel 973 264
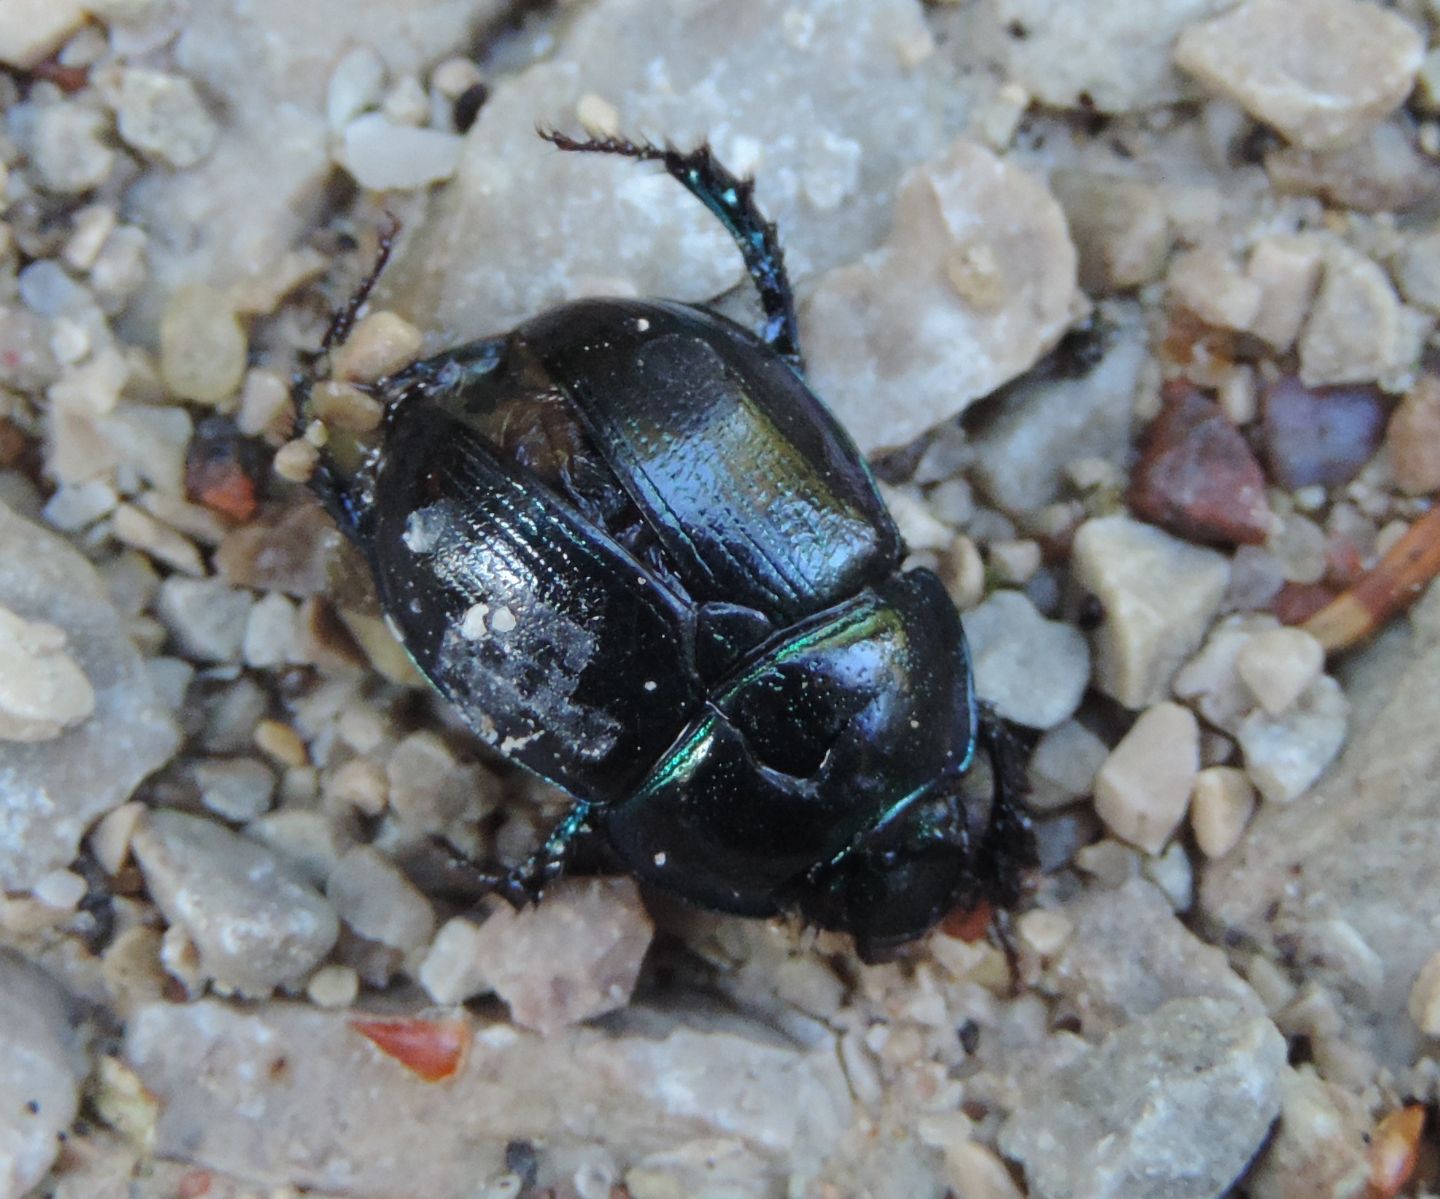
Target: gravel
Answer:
pixel 1133 304
pixel 1173 1104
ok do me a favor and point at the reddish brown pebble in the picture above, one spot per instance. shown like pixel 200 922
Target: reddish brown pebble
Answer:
pixel 1320 435
pixel 1414 438
pixel 193 1184
pixel 433 1049
pixel 221 471
pixel 1197 476
pixel 1394 1149
pixel 1295 603
pixel 1395 583
pixel 968 924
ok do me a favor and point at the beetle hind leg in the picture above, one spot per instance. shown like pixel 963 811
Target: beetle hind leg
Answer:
pixel 1007 849
pixel 732 200
pixel 524 884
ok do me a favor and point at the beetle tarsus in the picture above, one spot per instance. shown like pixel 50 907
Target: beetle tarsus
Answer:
pixel 526 883
pixel 732 200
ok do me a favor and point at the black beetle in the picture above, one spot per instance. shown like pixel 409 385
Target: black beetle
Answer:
pixel 641 558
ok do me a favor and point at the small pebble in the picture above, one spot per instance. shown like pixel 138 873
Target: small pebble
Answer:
pixel 333 987
pixel 406 102
pixel 1413 438
pixel 1014 562
pixel 451 970
pixel 1288 267
pixel 1359 331
pixel 1424 1003
pixel 361 784
pixel 975 1171
pixel 61 889
pixel 962 570
pixel 1143 788
pixel 270 632
pixel 1210 681
pixel 32 29
pixel 1285 754
pixel 1063 766
pixel 378 902
pixel 1278 666
pixel 1157 595
pixel 264 397
pixel 295 461
pixel 238 789
pixel 1417 266
pixel 1220 807
pixel 205 616
pixel 1319 435
pixel 1045 931
pixel 254 924
pixel 572 958
pixel 356 83
pixel 1197 476
pixel 70 149
pixel 1033 670
pixel 381 344
pixel 202 345
pixel 343 407
pixel 281 742
pixel 163 117
pixel 109 840
pixel 90 227
pixel 1120 229
pixel 1209 283
pixel 1322 72
pixel 43 691
pixel 454 77
pixel 384 156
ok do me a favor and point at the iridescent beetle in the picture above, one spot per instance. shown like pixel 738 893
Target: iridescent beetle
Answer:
pixel 643 560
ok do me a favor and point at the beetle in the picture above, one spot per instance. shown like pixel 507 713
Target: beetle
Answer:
pixel 640 557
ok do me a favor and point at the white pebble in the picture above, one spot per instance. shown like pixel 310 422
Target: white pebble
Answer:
pixel 1424 1005
pixel 355 85
pixel 42 690
pixel 1143 787
pixel 384 156
pixel 451 970
pixel 60 889
pixel 202 346
pixel 1285 754
pixel 1220 807
pixel 1279 665
pixel 333 986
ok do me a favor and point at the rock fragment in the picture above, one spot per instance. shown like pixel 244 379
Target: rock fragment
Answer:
pixel 1287 269
pixel 42 691
pixel 572 958
pixel 255 924
pixel 1319 435
pixel 31 29
pixel 1063 766
pixel 1048 419
pixel 384 156
pixel 1102 54
pixel 341 1117
pixel 1157 594
pixel 53 790
pixel 1197 476
pixel 163 117
pixel 1358 331
pixel 41 1068
pixel 1417 270
pixel 205 616
pixel 976 281
pixel 1033 670
pixel 1413 438
pixel 1175 1103
pixel 1278 666
pixel 1130 954
pixel 1319 1147
pixel 378 902
pixel 1121 232
pixel 1221 805
pixel 1322 72
pixel 1143 788
pixel 1285 754
pixel 1424 1002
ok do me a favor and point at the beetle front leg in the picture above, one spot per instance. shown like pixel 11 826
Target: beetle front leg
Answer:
pixel 525 883
pixel 732 199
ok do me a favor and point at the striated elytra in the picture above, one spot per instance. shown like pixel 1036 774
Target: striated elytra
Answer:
pixel 642 560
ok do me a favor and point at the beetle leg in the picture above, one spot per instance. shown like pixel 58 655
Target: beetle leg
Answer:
pixel 732 199
pixel 1008 849
pixel 527 882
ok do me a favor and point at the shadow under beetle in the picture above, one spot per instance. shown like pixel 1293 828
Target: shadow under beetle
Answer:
pixel 641 558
